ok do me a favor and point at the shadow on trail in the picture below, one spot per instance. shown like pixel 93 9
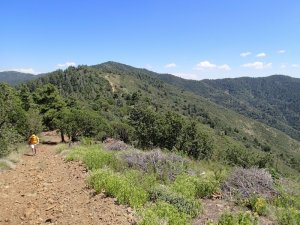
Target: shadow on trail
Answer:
pixel 49 142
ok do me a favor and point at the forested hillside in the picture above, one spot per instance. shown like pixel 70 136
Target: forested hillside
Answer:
pixel 14 78
pixel 272 100
pixel 113 99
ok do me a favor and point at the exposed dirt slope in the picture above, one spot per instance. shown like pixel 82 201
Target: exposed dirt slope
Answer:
pixel 44 189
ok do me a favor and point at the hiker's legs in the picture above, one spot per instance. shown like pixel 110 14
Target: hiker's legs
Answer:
pixel 33 149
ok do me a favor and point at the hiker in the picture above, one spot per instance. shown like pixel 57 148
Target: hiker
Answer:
pixel 33 141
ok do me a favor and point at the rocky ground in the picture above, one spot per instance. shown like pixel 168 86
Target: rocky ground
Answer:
pixel 44 189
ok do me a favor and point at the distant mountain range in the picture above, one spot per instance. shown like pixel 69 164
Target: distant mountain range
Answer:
pixel 15 78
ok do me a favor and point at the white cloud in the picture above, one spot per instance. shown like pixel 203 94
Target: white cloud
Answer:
pixel 170 65
pixel 261 55
pixel 257 65
pixel 282 51
pixel 224 67
pixel 25 70
pixel 283 66
pixel 295 65
pixel 189 76
pixel 65 65
pixel 245 54
pixel 148 67
pixel 205 65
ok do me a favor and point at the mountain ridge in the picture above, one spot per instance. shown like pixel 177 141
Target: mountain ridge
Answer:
pixel 241 99
pixel 238 94
pixel 15 78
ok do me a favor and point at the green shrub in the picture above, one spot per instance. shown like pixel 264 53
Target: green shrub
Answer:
pixel 286 200
pixel 259 205
pixel 288 216
pixel 163 213
pixel 94 157
pixel 195 187
pixel 183 204
pixel 76 154
pixel 227 219
pixel 116 185
pixel 237 219
pixel 144 180
pixel 239 156
pixel 60 148
pixel 86 141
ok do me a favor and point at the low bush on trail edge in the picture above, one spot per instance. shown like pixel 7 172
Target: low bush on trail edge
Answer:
pixel 195 187
pixel 116 185
pixel 98 158
pixel 94 157
pixel 236 219
pixel 186 205
pixel 163 213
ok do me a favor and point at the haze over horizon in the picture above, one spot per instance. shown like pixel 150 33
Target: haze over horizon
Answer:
pixel 191 39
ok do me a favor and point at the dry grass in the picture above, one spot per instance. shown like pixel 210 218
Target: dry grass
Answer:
pixel 9 161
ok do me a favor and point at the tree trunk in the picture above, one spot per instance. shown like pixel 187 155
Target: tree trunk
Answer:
pixel 62 135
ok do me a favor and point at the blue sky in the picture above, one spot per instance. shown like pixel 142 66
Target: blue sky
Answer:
pixel 195 39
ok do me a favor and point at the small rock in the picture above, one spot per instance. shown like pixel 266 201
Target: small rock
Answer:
pixel 48 220
pixel 130 218
pixel 28 212
pixel 51 207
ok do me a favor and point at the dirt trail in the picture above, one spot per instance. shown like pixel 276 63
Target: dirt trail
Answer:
pixel 44 189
